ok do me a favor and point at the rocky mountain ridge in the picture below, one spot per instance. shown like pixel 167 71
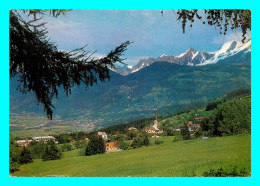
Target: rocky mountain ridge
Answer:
pixel 192 57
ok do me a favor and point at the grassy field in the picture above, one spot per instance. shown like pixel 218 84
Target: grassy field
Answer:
pixel 179 159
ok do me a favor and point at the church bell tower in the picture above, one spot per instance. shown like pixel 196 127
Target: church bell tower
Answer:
pixel 155 123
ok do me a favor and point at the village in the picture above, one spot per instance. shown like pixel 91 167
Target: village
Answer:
pixel 111 140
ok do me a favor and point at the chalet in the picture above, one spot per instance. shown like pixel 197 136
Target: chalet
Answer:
pixel 146 129
pixel 112 147
pixel 103 135
pixel 193 127
pixel 23 143
pixel 132 129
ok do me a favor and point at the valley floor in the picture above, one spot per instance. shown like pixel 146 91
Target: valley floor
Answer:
pixel 169 159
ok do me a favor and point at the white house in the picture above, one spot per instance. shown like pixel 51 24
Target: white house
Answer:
pixel 43 138
pixel 23 143
pixel 103 135
pixel 132 129
pixel 38 138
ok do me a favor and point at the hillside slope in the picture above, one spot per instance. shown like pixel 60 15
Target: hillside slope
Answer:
pixel 163 86
pixel 185 158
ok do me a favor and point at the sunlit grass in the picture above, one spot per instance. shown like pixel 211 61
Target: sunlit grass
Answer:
pixel 185 158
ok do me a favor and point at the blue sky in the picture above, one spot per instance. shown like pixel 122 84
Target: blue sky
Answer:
pixel 152 33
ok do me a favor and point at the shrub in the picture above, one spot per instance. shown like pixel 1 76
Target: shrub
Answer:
pixel 146 141
pixel 123 145
pixel 177 136
pixel 81 144
pixel 13 166
pixel 14 156
pixel 138 142
pixel 222 173
pixel 81 152
pixel 198 133
pixel 158 142
pixel 131 134
pixel 66 147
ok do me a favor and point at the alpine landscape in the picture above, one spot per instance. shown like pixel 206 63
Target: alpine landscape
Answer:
pixel 179 114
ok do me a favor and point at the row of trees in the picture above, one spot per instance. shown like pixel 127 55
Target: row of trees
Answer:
pixel 96 144
pixel 231 117
pixel 139 142
pixel 228 118
pixel 36 150
pixel 64 137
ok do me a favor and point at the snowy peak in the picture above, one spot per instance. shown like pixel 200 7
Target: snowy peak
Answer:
pixel 229 46
pixel 193 57
pixel 163 55
pixel 234 46
pixel 130 66
pixel 191 50
pixel 228 49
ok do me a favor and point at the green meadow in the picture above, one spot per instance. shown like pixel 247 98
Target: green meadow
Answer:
pixel 169 159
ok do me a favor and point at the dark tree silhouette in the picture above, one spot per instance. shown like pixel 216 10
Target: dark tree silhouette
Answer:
pixel 25 156
pixel 146 141
pixel 42 68
pixel 185 132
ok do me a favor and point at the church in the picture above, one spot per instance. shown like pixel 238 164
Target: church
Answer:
pixel 154 129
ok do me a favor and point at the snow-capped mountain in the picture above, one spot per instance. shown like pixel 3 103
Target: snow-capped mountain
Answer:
pixel 193 57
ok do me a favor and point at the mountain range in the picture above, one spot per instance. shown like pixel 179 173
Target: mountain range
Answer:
pixel 165 85
pixel 191 57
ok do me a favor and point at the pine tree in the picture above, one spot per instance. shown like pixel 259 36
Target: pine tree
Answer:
pixel 185 132
pixel 25 156
pixel 41 68
pixel 51 152
pixel 96 145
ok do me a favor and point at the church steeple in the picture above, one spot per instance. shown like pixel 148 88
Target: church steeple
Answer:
pixel 155 123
